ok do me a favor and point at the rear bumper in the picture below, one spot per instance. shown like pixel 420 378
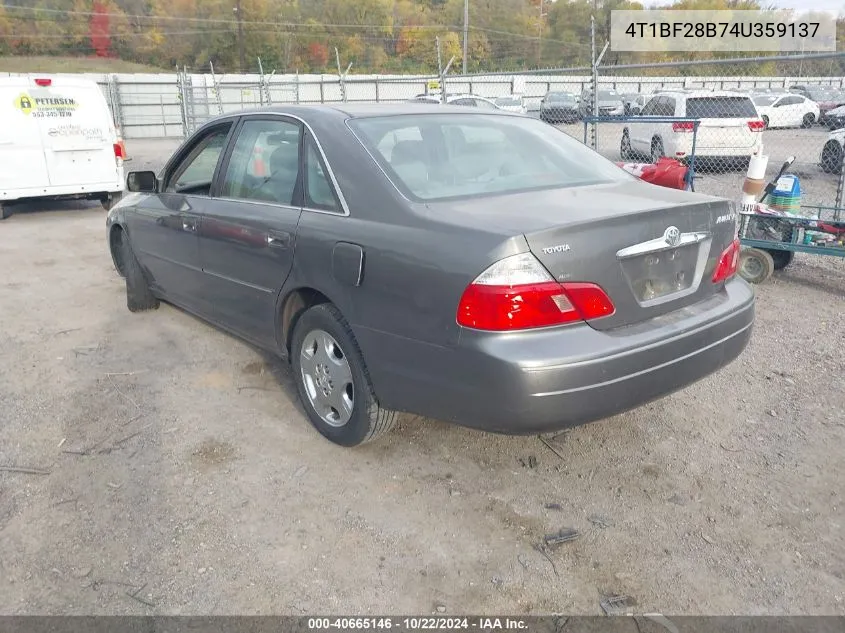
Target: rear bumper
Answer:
pixel 556 378
pixel 93 189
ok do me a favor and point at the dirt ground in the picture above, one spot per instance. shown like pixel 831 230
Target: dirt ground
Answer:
pixel 175 473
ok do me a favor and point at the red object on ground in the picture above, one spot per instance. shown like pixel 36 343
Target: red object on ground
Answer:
pixel 666 172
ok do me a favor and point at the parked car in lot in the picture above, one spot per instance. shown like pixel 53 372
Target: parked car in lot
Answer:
pixel 634 104
pixel 513 103
pixel 835 118
pixel 57 140
pixel 730 129
pixel 832 152
pixel 559 107
pixel 480 268
pixel 472 101
pixel 786 110
pixel 609 103
pixel 826 97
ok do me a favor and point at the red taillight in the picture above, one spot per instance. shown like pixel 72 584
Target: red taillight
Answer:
pixel 756 126
pixel 726 268
pixel 120 150
pixel 517 293
pixel 683 126
pixel 43 82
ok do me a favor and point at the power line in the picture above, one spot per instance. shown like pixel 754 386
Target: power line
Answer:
pixel 303 25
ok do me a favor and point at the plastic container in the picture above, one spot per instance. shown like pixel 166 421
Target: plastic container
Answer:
pixel 786 196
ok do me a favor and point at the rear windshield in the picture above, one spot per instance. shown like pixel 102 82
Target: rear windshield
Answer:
pixel 432 157
pixel 609 95
pixel 720 108
pixel 508 101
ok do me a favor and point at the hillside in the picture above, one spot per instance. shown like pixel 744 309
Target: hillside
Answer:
pixel 45 64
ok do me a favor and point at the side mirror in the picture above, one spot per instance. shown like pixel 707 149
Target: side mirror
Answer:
pixel 142 181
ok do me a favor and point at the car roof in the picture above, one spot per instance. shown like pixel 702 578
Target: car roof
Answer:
pixel 702 93
pixel 358 110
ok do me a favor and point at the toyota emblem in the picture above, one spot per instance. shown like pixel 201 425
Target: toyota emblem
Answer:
pixel 672 236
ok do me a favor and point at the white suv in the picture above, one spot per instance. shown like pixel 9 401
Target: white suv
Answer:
pixel 730 128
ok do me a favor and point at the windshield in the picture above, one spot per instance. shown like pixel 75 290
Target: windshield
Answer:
pixel 560 97
pixel 609 95
pixel 432 157
pixel 508 101
pixel 720 108
pixel 765 100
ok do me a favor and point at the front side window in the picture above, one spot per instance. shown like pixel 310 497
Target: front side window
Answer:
pixel 196 171
pixel 441 156
pixel 265 162
pixel 651 106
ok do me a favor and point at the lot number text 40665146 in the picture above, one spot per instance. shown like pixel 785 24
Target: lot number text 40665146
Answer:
pixel 417 623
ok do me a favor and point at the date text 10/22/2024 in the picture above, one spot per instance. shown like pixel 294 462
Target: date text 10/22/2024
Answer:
pixel 417 624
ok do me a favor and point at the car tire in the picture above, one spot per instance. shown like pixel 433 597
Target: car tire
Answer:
pixel 832 154
pixel 4 211
pixel 780 258
pixel 656 150
pixel 755 265
pixel 139 297
pixel 765 122
pixel 110 200
pixel 808 120
pixel 625 151
pixel 324 354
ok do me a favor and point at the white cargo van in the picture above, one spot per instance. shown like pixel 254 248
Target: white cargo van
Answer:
pixel 57 140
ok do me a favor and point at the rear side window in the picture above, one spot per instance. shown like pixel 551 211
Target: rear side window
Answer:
pixel 720 108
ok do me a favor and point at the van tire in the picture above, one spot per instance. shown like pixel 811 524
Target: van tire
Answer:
pixel 110 200
pixel 139 297
pixel 4 212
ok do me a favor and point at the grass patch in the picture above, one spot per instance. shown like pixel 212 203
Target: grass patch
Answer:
pixel 45 64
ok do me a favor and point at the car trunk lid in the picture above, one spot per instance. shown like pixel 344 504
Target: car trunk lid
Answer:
pixel 652 250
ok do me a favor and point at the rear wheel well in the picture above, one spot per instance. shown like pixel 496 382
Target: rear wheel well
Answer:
pixel 115 241
pixel 294 305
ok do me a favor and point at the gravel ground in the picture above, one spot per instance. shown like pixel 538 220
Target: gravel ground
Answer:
pixel 177 473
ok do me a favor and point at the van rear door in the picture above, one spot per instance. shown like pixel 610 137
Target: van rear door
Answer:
pixel 21 154
pixel 77 132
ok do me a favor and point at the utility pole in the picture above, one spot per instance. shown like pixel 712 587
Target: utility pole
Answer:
pixel 241 51
pixel 466 33
pixel 540 36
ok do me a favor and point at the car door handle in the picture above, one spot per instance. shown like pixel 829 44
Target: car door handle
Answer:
pixel 189 224
pixel 278 240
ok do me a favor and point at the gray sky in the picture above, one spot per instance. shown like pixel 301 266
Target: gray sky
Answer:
pixel 818 5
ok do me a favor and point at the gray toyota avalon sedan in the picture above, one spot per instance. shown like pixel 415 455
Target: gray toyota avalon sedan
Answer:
pixel 481 268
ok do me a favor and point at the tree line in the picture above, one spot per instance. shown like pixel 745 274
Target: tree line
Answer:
pixel 375 36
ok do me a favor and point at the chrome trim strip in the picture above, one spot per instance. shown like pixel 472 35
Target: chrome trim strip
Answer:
pixel 238 281
pixel 260 203
pixel 660 244
pixel 279 205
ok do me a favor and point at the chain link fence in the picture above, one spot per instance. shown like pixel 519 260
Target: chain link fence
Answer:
pixel 726 109
pixel 780 106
